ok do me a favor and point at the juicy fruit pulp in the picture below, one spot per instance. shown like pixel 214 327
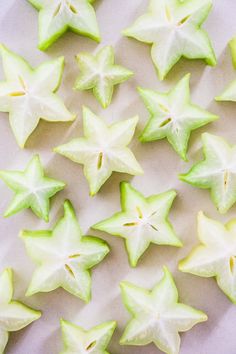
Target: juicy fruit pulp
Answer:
pixel 141 221
pixel 64 257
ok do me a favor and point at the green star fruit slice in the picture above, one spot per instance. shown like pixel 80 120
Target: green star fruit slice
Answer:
pixel 13 314
pixel 157 315
pixel 79 341
pixel 215 256
pixel 32 189
pixel 173 116
pixel 141 221
pixel 63 256
pixel 99 73
pixel 174 29
pixel 217 172
pixel 229 94
pixel 58 16
pixel 30 94
pixel 103 149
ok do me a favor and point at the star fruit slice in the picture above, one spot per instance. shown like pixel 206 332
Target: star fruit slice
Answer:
pixel 215 256
pixel 99 73
pixel 157 315
pixel 32 189
pixel 58 16
pixel 63 256
pixel 141 221
pixel 229 94
pixel 173 116
pixel 103 149
pixel 173 28
pixel 79 341
pixel 30 94
pixel 217 172
pixel 13 314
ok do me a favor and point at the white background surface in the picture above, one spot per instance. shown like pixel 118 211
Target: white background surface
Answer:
pixel 18 30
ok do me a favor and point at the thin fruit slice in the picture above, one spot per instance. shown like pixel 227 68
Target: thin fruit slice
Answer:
pixel 99 73
pixel 13 314
pixel 30 94
pixel 141 221
pixel 79 341
pixel 173 27
pixel 103 149
pixel 57 16
pixel 157 316
pixel 216 254
pixel 173 116
pixel 229 94
pixel 64 257
pixel 217 171
pixel 32 189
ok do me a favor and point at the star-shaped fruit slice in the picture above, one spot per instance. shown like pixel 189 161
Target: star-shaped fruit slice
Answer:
pixel 79 341
pixel 103 149
pixel 217 171
pixel 229 93
pixel 99 73
pixel 63 256
pixel 173 28
pixel 141 221
pixel 58 16
pixel 173 116
pixel 216 254
pixel 32 189
pixel 30 94
pixel 13 314
pixel 157 315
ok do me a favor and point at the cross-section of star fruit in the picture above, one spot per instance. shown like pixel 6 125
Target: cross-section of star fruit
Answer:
pixel 173 116
pixel 229 94
pixel 173 28
pixel 14 315
pixel 215 255
pixel 103 149
pixel 217 171
pixel 32 189
pixel 58 16
pixel 79 341
pixel 99 73
pixel 63 256
pixel 141 221
pixel 157 315
pixel 30 94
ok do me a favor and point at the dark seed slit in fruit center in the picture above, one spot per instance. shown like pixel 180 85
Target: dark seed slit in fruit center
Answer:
pixel 91 345
pixel 232 263
pixel 131 224
pixel 226 178
pixel 74 255
pixel 165 122
pixel 71 7
pixel 153 227
pixel 140 214
pixel 17 94
pixel 57 10
pixel 185 19
pixel 100 160
pixel 68 268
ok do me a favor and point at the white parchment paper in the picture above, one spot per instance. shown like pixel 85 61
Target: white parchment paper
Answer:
pixel 18 30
